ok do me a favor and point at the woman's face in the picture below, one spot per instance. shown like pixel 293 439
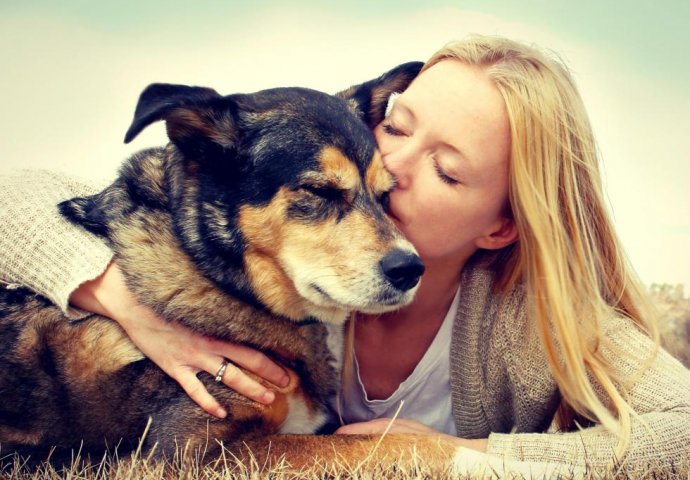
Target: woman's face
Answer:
pixel 447 142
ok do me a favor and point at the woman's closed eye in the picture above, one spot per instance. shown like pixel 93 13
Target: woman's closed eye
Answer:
pixel 391 130
pixel 443 175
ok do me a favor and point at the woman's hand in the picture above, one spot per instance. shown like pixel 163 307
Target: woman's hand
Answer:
pixel 177 350
pixel 403 425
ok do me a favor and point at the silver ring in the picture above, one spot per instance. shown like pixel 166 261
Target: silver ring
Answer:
pixel 221 371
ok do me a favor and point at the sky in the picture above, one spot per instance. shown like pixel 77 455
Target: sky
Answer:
pixel 72 72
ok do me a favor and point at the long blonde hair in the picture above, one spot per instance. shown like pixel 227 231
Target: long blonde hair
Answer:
pixel 567 256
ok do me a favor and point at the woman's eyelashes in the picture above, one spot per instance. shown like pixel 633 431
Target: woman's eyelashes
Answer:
pixel 391 130
pixel 443 175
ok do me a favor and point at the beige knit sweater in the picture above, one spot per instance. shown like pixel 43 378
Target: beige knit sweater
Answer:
pixel 500 380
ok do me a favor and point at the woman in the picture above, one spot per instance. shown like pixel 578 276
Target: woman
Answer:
pixel 498 189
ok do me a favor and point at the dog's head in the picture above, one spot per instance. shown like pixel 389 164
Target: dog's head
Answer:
pixel 279 196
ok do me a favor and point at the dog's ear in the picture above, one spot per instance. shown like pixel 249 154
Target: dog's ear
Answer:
pixel 89 212
pixel 369 99
pixel 195 117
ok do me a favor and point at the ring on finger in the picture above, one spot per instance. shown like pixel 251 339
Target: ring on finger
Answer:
pixel 221 370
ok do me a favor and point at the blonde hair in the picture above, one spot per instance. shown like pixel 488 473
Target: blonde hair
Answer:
pixel 568 256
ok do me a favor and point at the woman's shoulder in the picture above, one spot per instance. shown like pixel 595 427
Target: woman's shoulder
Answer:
pixel 483 302
pixel 494 321
pixel 499 353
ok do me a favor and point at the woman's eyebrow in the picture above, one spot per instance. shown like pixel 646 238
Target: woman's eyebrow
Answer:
pixel 400 107
pixel 456 151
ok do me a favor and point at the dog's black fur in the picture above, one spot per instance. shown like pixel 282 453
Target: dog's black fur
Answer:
pixel 208 231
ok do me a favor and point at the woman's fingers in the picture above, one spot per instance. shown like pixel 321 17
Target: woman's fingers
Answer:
pixel 370 427
pixel 198 393
pixel 179 351
pixel 239 381
pixel 380 425
pixel 256 362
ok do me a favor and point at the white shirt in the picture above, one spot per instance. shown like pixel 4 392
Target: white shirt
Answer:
pixel 426 391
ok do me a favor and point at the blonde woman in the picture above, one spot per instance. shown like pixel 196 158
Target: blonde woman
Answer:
pixel 529 338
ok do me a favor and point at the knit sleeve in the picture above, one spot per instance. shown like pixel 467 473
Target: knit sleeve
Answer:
pixel 660 397
pixel 38 247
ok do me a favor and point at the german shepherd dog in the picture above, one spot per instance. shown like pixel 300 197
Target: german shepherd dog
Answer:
pixel 261 219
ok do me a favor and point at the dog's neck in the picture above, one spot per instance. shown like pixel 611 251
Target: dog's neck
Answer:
pixel 159 271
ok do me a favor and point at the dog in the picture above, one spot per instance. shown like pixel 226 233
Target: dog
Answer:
pixel 262 220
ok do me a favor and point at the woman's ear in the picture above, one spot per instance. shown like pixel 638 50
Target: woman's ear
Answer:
pixel 503 233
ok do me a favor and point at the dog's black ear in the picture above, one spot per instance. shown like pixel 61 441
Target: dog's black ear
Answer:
pixel 369 100
pixel 194 116
pixel 87 212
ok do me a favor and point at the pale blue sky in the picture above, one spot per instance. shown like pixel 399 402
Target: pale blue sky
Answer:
pixel 72 70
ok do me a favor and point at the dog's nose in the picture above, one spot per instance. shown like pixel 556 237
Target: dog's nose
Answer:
pixel 402 269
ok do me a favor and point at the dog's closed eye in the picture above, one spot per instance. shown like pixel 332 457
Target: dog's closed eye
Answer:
pixel 326 192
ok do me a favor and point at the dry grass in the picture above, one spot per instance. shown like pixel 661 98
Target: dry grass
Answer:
pixel 674 309
pixel 675 337
pixel 148 470
pixel 228 467
pixel 113 468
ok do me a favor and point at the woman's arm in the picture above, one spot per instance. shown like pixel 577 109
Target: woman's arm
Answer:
pixel 38 247
pixel 177 350
pixel 660 397
pixel 41 250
